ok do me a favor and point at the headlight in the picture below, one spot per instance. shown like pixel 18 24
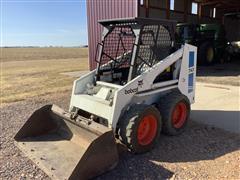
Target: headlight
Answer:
pixel 236 44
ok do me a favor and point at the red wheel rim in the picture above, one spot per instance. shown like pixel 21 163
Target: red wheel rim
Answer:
pixel 147 130
pixel 179 115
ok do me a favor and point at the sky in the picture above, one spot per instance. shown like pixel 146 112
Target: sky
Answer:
pixel 43 23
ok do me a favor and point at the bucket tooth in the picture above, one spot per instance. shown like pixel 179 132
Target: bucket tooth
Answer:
pixel 66 149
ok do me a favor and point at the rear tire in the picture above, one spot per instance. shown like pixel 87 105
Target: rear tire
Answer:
pixel 206 54
pixel 140 127
pixel 175 111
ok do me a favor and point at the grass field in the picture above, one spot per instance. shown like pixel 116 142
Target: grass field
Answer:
pixel 29 72
pixel 24 54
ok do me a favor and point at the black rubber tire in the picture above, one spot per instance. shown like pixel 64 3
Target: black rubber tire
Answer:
pixel 129 124
pixel 166 107
pixel 227 57
pixel 202 54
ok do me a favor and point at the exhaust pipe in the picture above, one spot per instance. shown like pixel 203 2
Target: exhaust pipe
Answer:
pixel 66 149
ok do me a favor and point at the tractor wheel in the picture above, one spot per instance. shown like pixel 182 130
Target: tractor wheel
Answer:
pixel 140 127
pixel 175 109
pixel 206 54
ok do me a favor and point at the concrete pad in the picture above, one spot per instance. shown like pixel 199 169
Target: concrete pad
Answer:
pixel 218 106
pixel 75 74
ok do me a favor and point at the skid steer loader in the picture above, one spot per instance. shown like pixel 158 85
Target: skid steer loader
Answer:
pixel 141 86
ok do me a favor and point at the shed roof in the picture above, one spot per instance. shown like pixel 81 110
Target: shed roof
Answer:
pixel 224 5
pixel 136 20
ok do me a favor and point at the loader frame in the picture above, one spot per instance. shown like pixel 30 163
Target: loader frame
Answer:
pixel 141 33
pixel 139 87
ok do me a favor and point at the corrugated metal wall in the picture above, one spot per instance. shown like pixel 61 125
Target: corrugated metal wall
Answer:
pixel 105 9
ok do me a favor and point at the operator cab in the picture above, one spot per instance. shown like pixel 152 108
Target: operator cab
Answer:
pixel 131 46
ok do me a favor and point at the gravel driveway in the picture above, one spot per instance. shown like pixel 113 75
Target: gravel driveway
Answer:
pixel 201 152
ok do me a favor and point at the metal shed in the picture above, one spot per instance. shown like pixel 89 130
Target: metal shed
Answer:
pixel 105 9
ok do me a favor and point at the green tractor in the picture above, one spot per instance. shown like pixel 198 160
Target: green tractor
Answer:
pixel 209 38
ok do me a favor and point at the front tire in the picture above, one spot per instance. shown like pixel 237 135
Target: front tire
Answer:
pixel 140 127
pixel 206 54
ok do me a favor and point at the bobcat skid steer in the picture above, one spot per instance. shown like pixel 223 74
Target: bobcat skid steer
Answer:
pixel 142 85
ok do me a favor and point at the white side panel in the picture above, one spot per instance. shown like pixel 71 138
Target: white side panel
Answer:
pixel 187 79
pixel 122 98
pixel 149 76
pixel 93 105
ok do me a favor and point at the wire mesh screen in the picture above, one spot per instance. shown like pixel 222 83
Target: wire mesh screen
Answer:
pixel 154 45
pixel 118 45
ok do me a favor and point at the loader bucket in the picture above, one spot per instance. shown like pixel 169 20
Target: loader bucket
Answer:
pixel 66 149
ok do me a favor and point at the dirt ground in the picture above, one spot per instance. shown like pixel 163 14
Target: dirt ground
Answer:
pixel 200 153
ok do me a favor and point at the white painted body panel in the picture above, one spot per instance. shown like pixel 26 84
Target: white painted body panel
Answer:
pixel 139 90
pixel 185 71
